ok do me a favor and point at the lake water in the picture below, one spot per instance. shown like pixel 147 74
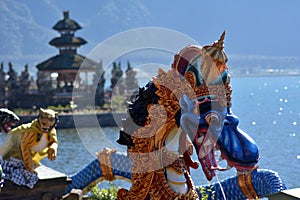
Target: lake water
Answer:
pixel 268 109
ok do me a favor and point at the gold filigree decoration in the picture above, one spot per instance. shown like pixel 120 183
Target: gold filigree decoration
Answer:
pixel 246 186
pixel 160 189
pixel 105 164
pixel 172 85
pixel 144 154
pixel 148 173
pixel 222 92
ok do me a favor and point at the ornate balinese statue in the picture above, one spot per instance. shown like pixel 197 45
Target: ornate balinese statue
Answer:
pixel 184 109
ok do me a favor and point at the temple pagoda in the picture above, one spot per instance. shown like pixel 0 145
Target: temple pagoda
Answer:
pixel 57 75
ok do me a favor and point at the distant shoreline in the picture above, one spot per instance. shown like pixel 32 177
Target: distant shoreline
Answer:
pixel 265 74
pixel 107 119
pixel 82 120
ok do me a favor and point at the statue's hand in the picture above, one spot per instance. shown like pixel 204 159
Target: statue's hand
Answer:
pixel 51 154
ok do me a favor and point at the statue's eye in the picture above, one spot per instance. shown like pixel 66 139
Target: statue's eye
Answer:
pixel 212 119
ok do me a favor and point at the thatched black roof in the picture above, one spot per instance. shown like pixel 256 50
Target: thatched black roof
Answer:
pixel 67 40
pixel 66 23
pixel 67 62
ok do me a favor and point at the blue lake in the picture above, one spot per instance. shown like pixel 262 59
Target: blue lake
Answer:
pixel 268 109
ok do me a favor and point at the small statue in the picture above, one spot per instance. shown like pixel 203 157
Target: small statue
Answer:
pixel 33 141
pixel 7 119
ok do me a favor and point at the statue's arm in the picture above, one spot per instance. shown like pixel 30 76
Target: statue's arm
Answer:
pixel 28 141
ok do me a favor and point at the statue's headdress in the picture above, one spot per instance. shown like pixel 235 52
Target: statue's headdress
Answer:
pixel 203 68
pixel 206 70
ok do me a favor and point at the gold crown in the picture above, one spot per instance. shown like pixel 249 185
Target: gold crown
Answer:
pixel 215 50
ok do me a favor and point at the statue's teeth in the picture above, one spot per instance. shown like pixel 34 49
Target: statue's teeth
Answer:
pixel 200 139
pixel 208 143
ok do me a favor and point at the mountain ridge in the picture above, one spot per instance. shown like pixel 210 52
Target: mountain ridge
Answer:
pixel 26 29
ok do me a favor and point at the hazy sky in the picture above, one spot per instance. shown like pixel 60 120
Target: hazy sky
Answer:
pixel 268 27
pixel 256 30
